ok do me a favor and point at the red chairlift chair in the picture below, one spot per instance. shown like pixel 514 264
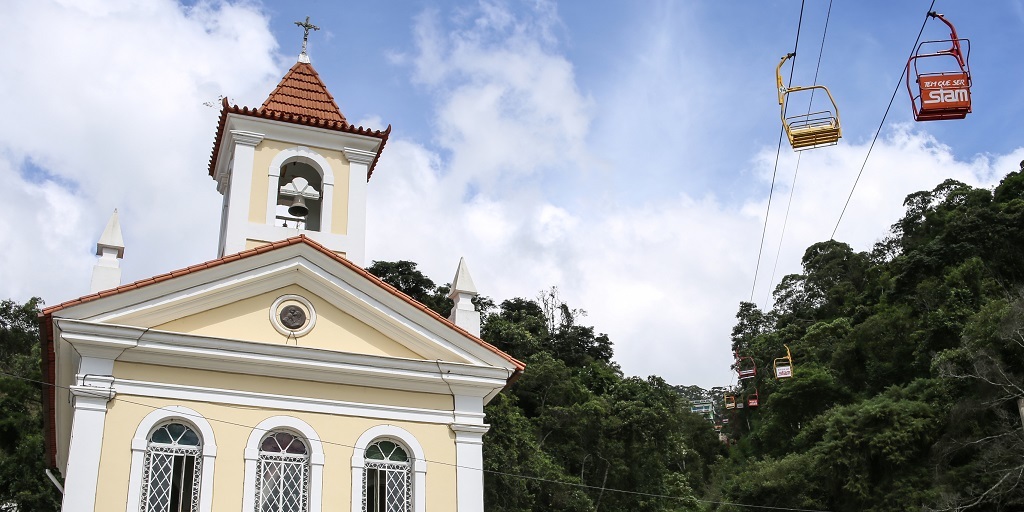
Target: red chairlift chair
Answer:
pixel 944 81
pixel 745 366
pixel 752 400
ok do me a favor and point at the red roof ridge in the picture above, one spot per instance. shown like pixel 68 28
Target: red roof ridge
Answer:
pixel 520 366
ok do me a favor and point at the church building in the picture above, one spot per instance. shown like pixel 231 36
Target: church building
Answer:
pixel 280 376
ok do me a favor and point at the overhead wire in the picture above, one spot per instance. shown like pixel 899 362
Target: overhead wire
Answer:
pixel 896 90
pixel 796 171
pixel 441 463
pixel 778 152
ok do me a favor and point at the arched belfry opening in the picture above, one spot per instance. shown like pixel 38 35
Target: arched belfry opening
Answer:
pixel 299 196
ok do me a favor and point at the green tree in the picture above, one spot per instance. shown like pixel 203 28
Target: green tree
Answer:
pixel 23 482
pixel 405 277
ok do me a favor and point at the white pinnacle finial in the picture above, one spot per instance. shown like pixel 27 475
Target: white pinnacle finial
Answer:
pixel 464 314
pixel 106 274
pixel 463 282
pixel 111 237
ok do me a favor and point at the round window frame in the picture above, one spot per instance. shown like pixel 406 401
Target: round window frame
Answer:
pixel 275 316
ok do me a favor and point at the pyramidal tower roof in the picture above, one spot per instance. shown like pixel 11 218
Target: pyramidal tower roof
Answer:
pixel 302 93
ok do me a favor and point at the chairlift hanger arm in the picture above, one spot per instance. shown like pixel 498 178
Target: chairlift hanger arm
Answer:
pixel 778 76
pixel 955 50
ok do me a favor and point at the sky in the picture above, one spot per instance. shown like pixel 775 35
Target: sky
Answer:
pixel 623 152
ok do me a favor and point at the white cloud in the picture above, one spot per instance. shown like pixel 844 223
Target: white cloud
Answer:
pixel 109 111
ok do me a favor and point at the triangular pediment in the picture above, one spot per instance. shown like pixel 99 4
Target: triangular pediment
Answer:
pixel 235 299
pixel 256 319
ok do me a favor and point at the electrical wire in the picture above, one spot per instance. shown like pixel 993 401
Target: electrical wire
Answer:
pixel 778 152
pixel 899 82
pixel 442 463
pixel 796 171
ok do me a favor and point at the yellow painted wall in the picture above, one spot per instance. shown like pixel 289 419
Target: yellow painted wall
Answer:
pixel 266 151
pixel 338 434
pixel 249 319
pixel 252 244
pixel 339 217
pixel 279 386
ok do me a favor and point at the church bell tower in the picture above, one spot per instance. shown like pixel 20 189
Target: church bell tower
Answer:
pixel 294 166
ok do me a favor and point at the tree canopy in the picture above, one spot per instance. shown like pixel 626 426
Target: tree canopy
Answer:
pixel 908 367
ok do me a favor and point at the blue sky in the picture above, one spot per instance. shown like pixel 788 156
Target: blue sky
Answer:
pixel 621 151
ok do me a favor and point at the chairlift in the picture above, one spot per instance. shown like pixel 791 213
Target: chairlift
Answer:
pixel 784 365
pixel 943 77
pixel 701 407
pixel 753 400
pixel 745 366
pixel 730 402
pixel 811 130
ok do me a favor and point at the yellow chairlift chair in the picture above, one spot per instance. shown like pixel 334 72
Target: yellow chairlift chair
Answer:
pixel 784 365
pixel 813 129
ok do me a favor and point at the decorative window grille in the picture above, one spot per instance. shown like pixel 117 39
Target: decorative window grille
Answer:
pixel 387 478
pixel 282 471
pixel 173 465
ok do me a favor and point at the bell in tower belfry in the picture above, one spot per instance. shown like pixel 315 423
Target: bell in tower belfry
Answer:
pixel 294 166
pixel 294 196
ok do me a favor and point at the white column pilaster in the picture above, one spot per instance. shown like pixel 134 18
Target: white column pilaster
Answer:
pixel 469 455
pixel 90 397
pixel 359 165
pixel 240 189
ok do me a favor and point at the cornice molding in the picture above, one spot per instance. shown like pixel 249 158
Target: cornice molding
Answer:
pixel 287 361
pixel 302 135
pixel 246 138
pixel 359 156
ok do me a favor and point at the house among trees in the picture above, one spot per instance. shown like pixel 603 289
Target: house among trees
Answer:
pixel 280 376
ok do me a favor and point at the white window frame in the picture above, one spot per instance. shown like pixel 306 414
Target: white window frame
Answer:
pixel 141 442
pixel 418 464
pixel 316 459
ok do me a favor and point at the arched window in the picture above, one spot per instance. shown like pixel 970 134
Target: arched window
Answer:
pixel 284 467
pixel 389 471
pixel 387 478
pixel 282 473
pixel 172 468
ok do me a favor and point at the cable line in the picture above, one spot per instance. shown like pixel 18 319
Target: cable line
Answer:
pixel 778 151
pixel 796 171
pixel 441 463
pixel 875 138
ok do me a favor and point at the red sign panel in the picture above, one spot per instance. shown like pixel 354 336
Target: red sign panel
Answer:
pixel 945 92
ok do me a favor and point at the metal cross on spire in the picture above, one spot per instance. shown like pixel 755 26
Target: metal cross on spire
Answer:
pixel 306 26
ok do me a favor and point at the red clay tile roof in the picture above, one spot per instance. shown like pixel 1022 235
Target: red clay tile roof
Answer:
pixel 270 247
pixel 300 98
pixel 301 93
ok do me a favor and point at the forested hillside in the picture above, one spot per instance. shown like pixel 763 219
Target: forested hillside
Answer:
pixel 908 365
